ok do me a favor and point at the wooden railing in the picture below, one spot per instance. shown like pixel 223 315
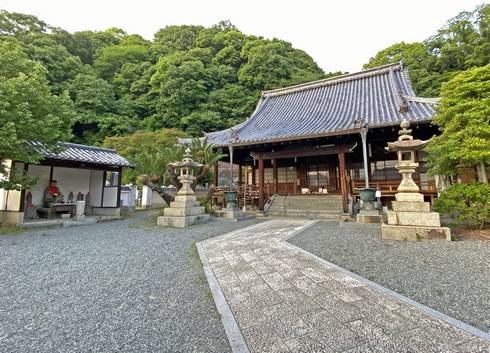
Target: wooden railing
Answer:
pixel 389 187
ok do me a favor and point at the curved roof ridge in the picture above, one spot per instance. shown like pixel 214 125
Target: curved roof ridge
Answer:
pixel 97 148
pixel 334 80
pixel 429 100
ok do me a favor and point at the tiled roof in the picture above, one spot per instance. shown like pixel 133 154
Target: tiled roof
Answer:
pixel 85 154
pixel 381 96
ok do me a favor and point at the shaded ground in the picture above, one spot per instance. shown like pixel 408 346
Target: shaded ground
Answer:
pixel 116 286
pixel 452 277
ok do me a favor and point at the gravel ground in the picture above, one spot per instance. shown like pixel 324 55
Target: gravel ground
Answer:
pixel 116 286
pixel 452 277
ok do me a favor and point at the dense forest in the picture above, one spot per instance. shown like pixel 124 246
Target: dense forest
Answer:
pixel 193 78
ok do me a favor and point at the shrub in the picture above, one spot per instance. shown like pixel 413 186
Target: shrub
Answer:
pixel 468 203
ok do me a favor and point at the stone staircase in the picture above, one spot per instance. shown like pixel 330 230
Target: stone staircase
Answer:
pixel 307 206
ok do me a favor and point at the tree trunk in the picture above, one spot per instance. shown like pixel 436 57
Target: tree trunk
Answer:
pixel 483 172
pixel 158 189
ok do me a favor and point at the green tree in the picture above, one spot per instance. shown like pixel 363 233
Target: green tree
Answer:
pixel 463 116
pixel 28 112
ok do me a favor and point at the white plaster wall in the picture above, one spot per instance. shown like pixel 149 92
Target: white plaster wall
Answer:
pixel 72 180
pixel 110 197
pixel 96 182
pixel 41 172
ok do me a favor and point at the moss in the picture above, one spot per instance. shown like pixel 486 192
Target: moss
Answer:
pixel 10 230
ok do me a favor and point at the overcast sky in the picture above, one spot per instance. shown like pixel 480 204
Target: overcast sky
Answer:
pixel 339 35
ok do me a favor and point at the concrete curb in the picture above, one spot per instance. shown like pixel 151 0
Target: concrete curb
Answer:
pixel 235 337
pixel 429 311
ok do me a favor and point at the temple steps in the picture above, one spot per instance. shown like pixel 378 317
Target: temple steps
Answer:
pixel 307 206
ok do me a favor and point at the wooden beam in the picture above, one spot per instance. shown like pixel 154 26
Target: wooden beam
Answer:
pixel 304 152
pixel 261 182
pixel 343 185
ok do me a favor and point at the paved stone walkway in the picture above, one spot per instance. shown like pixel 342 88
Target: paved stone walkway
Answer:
pixel 286 300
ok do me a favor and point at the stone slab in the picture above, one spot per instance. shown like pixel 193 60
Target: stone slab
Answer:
pixel 369 218
pixel 185 198
pixel 409 196
pixel 181 222
pixel 183 212
pixel 11 218
pixel 422 219
pixel 184 204
pixel 410 206
pixel 229 213
pixel 394 232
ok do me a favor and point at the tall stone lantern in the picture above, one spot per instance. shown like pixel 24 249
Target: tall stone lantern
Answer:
pixel 185 210
pixel 411 218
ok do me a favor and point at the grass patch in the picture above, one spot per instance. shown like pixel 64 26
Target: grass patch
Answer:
pixel 10 230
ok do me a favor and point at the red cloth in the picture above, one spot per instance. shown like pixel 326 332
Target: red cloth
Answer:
pixel 53 190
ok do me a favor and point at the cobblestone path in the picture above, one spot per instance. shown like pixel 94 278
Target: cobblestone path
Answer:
pixel 286 300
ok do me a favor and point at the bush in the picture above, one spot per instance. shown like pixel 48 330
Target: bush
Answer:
pixel 469 204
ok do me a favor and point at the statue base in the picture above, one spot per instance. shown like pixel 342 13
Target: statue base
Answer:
pixel 368 216
pixel 411 219
pixel 183 212
pixel 232 213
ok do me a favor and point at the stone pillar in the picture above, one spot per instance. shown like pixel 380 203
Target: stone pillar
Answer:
pixel 146 197
pixel 80 210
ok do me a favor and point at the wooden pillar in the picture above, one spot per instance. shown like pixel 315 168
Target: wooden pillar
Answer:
pixel 343 186
pixel 215 175
pixel 23 191
pixel 261 182
pixel 253 175
pixel 274 175
pixel 240 175
pixel 119 182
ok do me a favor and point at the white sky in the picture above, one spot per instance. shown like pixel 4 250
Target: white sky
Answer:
pixel 339 35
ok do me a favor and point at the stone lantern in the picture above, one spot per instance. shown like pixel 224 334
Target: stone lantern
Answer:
pixel 411 218
pixel 185 210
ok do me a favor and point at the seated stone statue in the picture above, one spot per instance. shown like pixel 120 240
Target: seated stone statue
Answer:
pixel 52 194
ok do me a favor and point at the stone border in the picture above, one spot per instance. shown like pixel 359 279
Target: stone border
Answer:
pixel 425 309
pixel 232 330
pixel 235 338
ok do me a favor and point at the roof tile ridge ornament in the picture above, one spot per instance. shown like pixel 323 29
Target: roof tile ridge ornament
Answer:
pixel 428 100
pixel 333 80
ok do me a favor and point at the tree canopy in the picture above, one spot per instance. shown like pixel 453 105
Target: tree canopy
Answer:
pixel 464 120
pixel 29 111
pixel 463 43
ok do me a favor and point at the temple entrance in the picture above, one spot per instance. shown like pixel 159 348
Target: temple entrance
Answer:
pixel 322 178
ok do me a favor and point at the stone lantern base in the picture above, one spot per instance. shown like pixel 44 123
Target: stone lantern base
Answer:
pixel 183 212
pixel 411 219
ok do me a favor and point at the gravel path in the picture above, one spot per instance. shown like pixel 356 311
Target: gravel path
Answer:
pixel 452 277
pixel 116 286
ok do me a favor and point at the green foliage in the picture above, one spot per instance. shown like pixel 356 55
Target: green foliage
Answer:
pixel 467 203
pixel 140 146
pixel 28 111
pixel 463 117
pixel 464 42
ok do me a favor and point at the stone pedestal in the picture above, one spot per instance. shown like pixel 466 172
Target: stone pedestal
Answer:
pixel 80 210
pixel 368 216
pixel 11 218
pixel 232 213
pixel 183 212
pixel 411 219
